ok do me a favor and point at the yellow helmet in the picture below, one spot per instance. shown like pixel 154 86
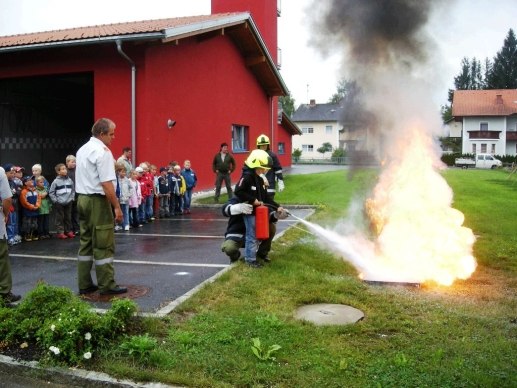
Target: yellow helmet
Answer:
pixel 259 159
pixel 262 140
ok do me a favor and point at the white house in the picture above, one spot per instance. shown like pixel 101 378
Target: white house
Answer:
pixel 319 124
pixel 489 120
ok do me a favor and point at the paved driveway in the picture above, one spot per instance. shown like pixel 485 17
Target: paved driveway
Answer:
pixel 162 263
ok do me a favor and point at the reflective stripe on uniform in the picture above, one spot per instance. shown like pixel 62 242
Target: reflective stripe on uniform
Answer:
pixel 108 260
pixel 85 258
pixel 234 235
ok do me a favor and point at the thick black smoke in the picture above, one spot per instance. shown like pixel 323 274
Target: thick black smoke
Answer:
pixel 376 32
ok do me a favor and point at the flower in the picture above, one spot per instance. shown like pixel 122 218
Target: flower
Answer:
pixel 54 350
pixel 87 355
pixel 87 336
pixel 53 327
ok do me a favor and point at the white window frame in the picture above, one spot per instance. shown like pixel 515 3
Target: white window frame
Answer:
pixel 307 148
pixel 328 129
pixel 240 136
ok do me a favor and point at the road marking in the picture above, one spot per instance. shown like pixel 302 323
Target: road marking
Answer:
pixel 220 237
pixel 173 264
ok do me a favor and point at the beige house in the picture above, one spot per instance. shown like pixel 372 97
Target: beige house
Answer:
pixel 488 120
pixel 319 123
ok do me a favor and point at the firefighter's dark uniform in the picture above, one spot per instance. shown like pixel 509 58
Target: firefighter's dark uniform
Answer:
pixel 95 164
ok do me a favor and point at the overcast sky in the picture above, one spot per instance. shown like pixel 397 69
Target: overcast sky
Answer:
pixel 466 28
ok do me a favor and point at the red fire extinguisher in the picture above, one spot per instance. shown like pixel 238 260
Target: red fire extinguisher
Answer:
pixel 262 222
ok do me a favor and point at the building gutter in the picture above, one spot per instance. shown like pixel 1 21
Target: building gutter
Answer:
pixel 133 99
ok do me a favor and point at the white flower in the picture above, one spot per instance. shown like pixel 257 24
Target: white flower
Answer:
pixel 54 350
pixel 53 327
pixel 87 355
pixel 87 336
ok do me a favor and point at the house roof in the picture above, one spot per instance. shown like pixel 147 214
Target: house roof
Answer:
pixel 494 102
pixel 240 27
pixel 288 124
pixel 318 112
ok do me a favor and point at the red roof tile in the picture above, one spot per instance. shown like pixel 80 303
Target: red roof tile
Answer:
pixel 102 31
pixel 494 102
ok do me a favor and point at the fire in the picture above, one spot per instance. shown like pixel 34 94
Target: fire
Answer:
pixel 418 235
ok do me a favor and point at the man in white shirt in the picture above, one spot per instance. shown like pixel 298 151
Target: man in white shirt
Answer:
pixel 95 184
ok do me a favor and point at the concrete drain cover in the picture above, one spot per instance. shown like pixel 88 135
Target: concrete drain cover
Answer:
pixel 329 314
pixel 133 292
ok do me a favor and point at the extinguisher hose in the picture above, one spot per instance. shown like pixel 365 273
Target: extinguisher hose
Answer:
pixel 274 207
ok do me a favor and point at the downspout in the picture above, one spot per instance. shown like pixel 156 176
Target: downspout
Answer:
pixel 273 119
pixel 133 99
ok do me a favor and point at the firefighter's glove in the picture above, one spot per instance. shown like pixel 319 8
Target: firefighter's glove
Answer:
pixel 281 214
pixel 266 182
pixel 281 185
pixel 241 208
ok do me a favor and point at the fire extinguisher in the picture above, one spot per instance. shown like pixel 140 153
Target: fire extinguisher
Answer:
pixel 262 222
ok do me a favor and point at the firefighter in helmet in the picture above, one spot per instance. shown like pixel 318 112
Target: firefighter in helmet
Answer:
pixel 274 175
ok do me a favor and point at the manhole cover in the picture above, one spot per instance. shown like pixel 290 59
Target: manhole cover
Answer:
pixel 329 314
pixel 133 292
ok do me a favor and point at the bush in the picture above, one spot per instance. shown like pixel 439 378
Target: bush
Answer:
pixel 63 325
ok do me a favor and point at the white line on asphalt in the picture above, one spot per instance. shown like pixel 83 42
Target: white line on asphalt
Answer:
pixel 168 235
pixel 173 264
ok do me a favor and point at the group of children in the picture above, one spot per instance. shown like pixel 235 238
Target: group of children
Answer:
pixel 144 195
pixel 33 200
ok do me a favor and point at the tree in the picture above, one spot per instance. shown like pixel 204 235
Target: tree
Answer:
pixel 325 147
pixel 287 104
pixel 346 89
pixel 503 74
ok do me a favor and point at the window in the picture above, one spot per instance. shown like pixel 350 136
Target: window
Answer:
pixel 328 129
pixel 307 130
pixel 492 151
pixel 239 138
pixel 281 148
pixel 473 148
pixel 307 148
pixel 483 126
pixel 483 148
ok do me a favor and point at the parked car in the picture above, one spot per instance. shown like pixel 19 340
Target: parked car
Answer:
pixel 480 161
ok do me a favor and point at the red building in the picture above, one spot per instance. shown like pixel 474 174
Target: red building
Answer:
pixel 176 88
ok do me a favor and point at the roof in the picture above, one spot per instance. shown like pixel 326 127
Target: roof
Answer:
pixel 318 112
pixel 493 102
pixel 289 125
pixel 240 27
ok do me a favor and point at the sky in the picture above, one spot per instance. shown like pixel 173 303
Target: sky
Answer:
pixel 463 28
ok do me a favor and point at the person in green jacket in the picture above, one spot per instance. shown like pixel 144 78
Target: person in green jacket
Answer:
pixel 44 210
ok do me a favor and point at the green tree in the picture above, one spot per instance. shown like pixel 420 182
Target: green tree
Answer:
pixel 346 90
pixel 287 104
pixel 296 154
pixel 325 147
pixel 503 74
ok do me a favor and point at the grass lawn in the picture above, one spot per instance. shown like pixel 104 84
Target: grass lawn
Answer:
pixel 463 335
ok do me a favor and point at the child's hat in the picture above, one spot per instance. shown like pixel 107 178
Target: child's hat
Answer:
pixel 162 169
pixel 26 178
pixel 139 169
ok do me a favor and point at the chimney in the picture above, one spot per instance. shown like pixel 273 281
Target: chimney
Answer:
pixel 312 103
pixel 499 99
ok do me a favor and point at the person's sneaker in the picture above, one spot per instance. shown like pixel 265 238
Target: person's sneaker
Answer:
pixel 62 236
pixel 88 290
pixel 117 228
pixel 35 238
pixel 10 297
pixel 126 227
pixel 28 238
pixel 115 291
pixel 11 242
pixel 254 264
pixel 18 238
pixel 152 219
pixel 70 235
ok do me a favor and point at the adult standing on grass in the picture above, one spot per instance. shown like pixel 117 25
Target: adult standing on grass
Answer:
pixel 274 176
pixel 6 281
pixel 223 165
pixel 95 178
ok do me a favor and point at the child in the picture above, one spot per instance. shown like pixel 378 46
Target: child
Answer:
pixel 36 172
pixel 190 180
pixel 12 218
pixel 62 194
pixel 70 162
pixel 44 210
pixel 251 189
pixel 144 192
pixel 135 200
pixel 164 193
pixel 178 188
pixel 125 193
pixel 30 201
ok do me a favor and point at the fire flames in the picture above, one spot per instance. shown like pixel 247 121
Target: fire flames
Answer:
pixel 418 236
